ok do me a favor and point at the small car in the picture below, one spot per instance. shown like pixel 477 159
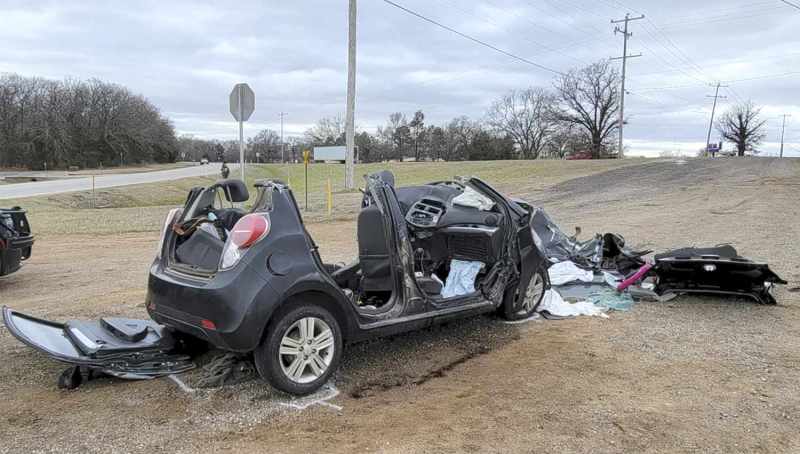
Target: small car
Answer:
pixel 255 282
pixel 16 240
pixel 204 161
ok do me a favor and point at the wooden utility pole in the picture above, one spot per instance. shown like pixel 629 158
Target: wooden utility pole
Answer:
pixel 783 131
pixel 713 111
pixel 624 58
pixel 351 98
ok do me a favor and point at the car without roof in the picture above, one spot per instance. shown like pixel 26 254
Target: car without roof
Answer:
pixel 254 283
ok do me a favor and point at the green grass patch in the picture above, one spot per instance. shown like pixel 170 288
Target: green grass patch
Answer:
pixel 141 208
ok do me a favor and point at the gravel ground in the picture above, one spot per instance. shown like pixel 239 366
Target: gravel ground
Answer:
pixel 695 374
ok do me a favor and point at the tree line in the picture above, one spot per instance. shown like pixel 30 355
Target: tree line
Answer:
pixel 58 124
pixel 579 113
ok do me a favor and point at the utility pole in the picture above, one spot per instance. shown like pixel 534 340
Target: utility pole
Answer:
pixel 351 97
pixel 713 111
pixel 283 147
pixel 783 131
pixel 624 58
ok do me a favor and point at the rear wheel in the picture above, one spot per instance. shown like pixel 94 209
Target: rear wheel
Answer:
pixel 517 306
pixel 302 349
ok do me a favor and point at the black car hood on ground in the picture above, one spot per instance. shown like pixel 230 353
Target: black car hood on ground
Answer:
pixel 127 348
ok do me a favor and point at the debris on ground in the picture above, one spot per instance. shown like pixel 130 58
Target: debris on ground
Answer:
pixel 603 274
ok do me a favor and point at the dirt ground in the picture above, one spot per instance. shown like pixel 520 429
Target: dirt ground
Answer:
pixel 696 374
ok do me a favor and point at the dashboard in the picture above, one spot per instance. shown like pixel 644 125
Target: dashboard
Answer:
pixel 448 230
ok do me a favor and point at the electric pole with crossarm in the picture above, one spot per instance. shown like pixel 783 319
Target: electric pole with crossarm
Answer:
pixel 713 111
pixel 624 58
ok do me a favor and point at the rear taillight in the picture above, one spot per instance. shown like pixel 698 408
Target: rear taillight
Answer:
pixel 173 214
pixel 248 231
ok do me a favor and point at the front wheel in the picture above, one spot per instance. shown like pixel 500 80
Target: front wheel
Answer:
pixel 519 307
pixel 302 349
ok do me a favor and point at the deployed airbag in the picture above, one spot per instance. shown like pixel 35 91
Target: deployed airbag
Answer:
pixel 461 279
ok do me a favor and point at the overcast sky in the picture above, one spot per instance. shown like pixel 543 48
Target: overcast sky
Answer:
pixel 186 56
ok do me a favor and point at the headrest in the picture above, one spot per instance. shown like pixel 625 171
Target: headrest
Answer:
pixel 386 176
pixel 235 190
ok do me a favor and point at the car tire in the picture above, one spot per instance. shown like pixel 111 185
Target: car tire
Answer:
pixel 520 307
pixel 301 350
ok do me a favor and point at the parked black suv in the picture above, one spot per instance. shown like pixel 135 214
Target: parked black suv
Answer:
pixel 16 240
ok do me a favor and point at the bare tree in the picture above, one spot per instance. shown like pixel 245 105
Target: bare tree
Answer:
pixel 327 131
pixel 526 116
pixel 742 126
pixel 459 134
pixel 590 101
pixel 264 146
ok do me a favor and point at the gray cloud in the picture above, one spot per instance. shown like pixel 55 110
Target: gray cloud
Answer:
pixel 185 57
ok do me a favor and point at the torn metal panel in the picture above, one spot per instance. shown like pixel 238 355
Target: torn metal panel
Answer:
pixel 133 349
pixel 718 270
pixel 602 252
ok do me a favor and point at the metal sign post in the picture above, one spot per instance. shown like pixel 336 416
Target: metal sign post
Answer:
pixel 242 104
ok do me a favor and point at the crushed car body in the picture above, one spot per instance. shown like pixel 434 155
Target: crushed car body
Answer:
pixel 16 239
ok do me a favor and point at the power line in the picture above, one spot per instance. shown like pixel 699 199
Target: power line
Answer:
pixel 729 81
pixel 487 19
pixel 791 4
pixel 475 40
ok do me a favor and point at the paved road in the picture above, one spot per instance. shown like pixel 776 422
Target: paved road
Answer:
pixel 20 190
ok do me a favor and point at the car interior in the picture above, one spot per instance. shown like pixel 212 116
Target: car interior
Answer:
pixel 450 224
pixel 203 228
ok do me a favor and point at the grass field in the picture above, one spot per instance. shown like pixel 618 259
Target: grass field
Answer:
pixel 140 208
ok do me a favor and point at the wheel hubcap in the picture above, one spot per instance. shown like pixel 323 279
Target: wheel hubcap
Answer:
pixel 533 293
pixel 306 350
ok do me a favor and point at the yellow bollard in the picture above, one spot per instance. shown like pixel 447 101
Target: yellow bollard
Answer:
pixel 330 198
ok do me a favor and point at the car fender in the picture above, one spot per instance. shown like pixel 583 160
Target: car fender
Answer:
pixel 312 286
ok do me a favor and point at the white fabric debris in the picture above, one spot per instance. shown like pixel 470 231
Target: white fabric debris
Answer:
pixel 210 229
pixel 461 279
pixel 553 303
pixel 565 272
pixel 474 199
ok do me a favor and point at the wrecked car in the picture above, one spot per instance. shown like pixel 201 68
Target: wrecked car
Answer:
pixel 253 282
pixel 16 240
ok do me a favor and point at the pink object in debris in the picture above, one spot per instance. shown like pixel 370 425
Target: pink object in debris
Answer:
pixel 636 276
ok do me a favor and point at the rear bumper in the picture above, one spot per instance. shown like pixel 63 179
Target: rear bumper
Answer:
pixel 13 252
pixel 228 310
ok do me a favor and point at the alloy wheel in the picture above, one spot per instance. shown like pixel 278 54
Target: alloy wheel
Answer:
pixel 306 350
pixel 534 293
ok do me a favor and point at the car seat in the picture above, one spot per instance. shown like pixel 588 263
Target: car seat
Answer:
pixel 373 251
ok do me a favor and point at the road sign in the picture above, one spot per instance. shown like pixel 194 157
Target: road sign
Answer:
pixel 242 101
